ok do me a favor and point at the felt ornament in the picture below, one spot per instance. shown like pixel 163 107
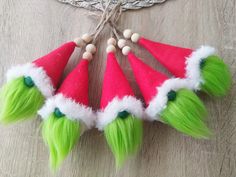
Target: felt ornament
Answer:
pixel 121 113
pixel 168 100
pixel 204 70
pixel 66 114
pixel 28 85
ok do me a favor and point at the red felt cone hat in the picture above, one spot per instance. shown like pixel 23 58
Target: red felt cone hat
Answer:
pixel 71 99
pixel 146 77
pixel 115 83
pixel 54 63
pixel 46 71
pixel 117 95
pixel 75 86
pixel 171 57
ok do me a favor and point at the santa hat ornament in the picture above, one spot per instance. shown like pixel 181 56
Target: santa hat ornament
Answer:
pixel 204 70
pixel 121 113
pixel 65 114
pixel 28 85
pixel 168 100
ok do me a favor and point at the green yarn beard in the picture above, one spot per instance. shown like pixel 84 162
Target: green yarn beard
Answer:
pixel 186 113
pixel 124 137
pixel 19 101
pixel 216 76
pixel 60 135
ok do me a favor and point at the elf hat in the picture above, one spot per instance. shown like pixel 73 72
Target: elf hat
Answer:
pixel 46 71
pixel 204 70
pixel 66 113
pixel 71 98
pixel 168 100
pixel 117 95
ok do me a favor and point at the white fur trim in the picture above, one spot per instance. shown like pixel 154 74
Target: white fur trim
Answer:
pixel 128 103
pixel 159 102
pixel 70 108
pixel 39 76
pixel 193 70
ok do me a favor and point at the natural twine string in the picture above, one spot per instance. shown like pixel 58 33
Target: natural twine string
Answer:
pixel 115 20
pixel 103 17
pixel 108 16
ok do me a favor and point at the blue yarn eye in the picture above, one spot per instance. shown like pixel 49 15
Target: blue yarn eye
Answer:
pixel 58 113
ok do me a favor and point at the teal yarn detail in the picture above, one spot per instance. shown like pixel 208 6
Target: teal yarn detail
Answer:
pixel 29 82
pixel 202 63
pixel 123 114
pixel 171 95
pixel 58 113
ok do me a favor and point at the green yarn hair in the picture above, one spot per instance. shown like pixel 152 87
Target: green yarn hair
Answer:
pixel 60 135
pixel 19 101
pixel 124 137
pixel 216 76
pixel 186 113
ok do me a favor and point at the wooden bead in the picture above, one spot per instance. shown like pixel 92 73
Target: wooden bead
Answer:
pixel 79 42
pixel 121 43
pixel 126 50
pixel 111 41
pixel 110 48
pixel 135 37
pixel 87 38
pixel 87 56
pixel 91 48
pixel 127 33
